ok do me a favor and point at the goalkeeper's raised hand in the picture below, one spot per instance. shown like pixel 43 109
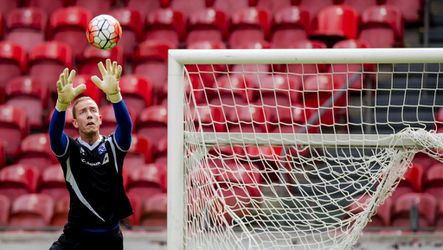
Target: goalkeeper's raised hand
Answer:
pixel 65 90
pixel 110 82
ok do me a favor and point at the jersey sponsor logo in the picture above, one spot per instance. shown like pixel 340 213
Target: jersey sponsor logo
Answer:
pixel 101 149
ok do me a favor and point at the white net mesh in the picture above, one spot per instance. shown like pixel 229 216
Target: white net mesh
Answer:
pixel 300 156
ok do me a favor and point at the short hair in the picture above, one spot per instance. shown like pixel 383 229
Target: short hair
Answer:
pixel 77 101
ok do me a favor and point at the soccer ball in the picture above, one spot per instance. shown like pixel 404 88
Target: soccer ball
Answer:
pixel 104 32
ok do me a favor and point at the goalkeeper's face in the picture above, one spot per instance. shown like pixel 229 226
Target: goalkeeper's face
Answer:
pixel 87 117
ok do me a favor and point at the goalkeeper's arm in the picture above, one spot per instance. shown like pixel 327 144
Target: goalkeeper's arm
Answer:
pixel 65 94
pixel 109 84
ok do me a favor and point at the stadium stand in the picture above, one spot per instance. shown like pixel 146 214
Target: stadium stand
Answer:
pixel 39 38
pixel 14 127
pixel 26 27
pixel 207 25
pixel 18 179
pixel 87 61
pixel 52 183
pixel 31 211
pixel 68 25
pixel 47 60
pixel 35 150
pixel 24 92
pixel 13 62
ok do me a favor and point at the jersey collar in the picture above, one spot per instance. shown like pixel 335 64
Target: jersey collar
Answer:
pixel 91 147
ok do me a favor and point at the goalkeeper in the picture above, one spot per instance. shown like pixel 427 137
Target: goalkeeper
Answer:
pixel 92 164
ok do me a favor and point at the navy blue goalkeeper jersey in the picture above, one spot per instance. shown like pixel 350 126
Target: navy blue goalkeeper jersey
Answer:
pixel 93 173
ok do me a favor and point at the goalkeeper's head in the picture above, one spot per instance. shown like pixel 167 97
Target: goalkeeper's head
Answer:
pixel 86 116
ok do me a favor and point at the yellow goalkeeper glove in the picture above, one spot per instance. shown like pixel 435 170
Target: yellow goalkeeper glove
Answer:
pixel 65 91
pixel 110 83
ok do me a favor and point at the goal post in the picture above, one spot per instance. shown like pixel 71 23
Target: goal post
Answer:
pixel 293 148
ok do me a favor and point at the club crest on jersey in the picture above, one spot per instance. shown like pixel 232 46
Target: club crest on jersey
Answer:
pixel 101 149
pixel 82 151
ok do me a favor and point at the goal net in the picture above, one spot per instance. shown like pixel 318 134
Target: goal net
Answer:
pixel 293 149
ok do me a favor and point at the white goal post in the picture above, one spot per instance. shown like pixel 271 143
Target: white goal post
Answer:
pixel 276 148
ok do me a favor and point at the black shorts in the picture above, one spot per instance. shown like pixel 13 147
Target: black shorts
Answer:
pixel 81 240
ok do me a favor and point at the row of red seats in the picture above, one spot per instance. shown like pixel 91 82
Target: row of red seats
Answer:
pixel 140 179
pixel 28 27
pixel 38 210
pixel 397 213
pixel 411 9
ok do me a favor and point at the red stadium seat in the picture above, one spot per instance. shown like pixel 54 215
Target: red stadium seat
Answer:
pixel 382 218
pixel 146 6
pixel 166 24
pixel 132 27
pixel 382 26
pixel 137 92
pixel 91 56
pixel 140 151
pixel 32 210
pixel 425 204
pixel 290 25
pixel 317 90
pixel 96 7
pixel 36 150
pixel 315 6
pixel 278 90
pixel 26 27
pixel 47 60
pixel 150 61
pixel 235 89
pixel 249 25
pixel 360 5
pixel 137 205
pixel 247 119
pixel 188 7
pixel 274 6
pixel 152 123
pixel 13 128
pixel 230 6
pixel 211 118
pixel 108 119
pixel 207 25
pixel 161 153
pixel 18 179
pixel 25 92
pixel 410 9
pixel 296 69
pixel 61 209
pixel 5 205
pixel 91 89
pixel 2 155
pixel 68 25
pixel 154 212
pixel 203 75
pixel 433 181
pixel 144 181
pixel 12 62
pixel 336 23
pixel 48 5
pixel 412 182
pixel 52 182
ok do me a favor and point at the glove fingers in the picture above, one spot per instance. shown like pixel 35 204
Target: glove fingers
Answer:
pixel 71 76
pixel 102 69
pixel 108 66
pixel 59 86
pixel 114 68
pixel 97 81
pixel 119 72
pixel 65 76
pixel 79 89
